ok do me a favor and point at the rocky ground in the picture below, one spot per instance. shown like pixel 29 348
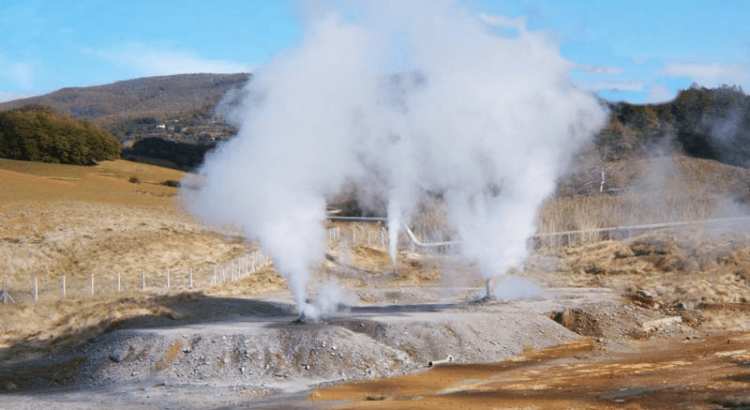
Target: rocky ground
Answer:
pixel 218 352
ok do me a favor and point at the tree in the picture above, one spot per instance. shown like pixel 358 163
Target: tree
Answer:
pixel 36 133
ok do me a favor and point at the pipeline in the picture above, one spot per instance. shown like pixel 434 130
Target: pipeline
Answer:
pixel 610 230
pixel 408 231
pixel 437 362
pixel 419 244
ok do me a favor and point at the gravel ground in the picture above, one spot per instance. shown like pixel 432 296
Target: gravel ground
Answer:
pixel 263 356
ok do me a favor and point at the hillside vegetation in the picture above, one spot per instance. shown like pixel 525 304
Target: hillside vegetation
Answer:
pixel 36 133
pixel 177 108
pixel 708 123
pixel 181 111
pixel 159 98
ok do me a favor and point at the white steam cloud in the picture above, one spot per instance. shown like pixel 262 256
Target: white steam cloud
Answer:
pixel 488 121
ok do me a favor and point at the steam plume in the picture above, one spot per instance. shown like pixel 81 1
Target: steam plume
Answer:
pixel 487 120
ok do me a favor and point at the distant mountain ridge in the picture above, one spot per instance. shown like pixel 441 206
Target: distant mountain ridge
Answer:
pixel 159 97
pixel 166 118
pixel 173 118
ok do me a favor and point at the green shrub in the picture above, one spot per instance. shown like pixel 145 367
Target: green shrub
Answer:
pixel 36 133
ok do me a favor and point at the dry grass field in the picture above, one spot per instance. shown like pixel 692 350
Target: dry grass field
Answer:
pixel 75 221
pixel 656 190
pixel 71 221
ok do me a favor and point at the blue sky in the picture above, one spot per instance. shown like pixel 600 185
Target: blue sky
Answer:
pixel 637 51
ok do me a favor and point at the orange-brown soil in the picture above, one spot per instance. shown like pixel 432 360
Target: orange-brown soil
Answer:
pixel 710 372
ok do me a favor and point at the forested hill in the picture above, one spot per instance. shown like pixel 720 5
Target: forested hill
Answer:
pixel 36 133
pixel 709 123
pixel 172 118
pixel 175 107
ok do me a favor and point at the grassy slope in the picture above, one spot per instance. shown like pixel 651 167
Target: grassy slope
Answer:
pixel 75 221
pixel 652 191
pixel 62 220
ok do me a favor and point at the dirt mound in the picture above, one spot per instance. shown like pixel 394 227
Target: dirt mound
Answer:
pixel 255 344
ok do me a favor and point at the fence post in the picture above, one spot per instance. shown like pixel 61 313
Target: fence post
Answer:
pixel 118 283
pixel 91 284
pixel 63 286
pixel 190 277
pixel 167 278
pixel 36 291
pixel 143 281
pixel 4 295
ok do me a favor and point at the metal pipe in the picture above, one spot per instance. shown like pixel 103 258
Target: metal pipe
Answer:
pixel 416 241
pixel 628 228
pixel 357 218
pixel 437 362
pixel 646 226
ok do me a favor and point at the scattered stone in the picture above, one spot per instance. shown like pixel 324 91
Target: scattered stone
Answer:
pixel 118 355
pixel 655 324
pixel 732 401
pixel 646 294
pixel 175 315
pixel 9 386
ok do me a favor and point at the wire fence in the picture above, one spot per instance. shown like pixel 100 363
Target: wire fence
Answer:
pixel 35 288
pixel 45 288
pixel 40 288
pixel 354 234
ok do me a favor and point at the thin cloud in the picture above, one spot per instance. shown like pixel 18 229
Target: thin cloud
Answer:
pixel 599 69
pixel 20 74
pixel 151 61
pixel 659 94
pixel 614 85
pixel 710 74
pixel 9 96
pixel 518 23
